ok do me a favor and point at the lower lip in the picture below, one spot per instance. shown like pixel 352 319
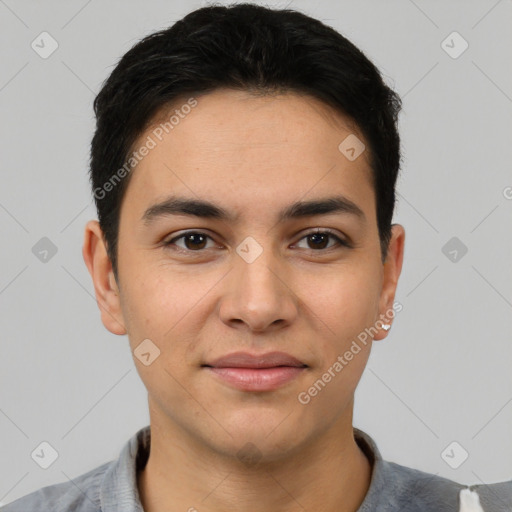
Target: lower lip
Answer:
pixel 253 379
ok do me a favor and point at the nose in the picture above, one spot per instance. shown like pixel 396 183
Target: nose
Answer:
pixel 258 295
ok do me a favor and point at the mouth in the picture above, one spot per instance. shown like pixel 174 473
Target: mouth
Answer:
pixel 248 372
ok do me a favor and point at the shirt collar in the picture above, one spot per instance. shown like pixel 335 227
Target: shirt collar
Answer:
pixel 380 468
pixel 119 491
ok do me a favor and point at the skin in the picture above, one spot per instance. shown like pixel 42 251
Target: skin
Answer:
pixel 253 156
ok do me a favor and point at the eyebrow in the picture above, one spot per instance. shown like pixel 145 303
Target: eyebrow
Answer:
pixel 175 205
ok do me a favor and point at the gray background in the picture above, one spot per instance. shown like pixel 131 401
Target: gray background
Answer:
pixel 444 372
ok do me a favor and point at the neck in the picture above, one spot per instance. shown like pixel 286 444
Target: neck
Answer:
pixel 330 474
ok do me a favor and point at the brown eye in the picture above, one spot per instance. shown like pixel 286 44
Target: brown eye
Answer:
pixel 318 240
pixel 194 241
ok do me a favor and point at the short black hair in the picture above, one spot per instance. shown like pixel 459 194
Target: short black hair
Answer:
pixel 243 47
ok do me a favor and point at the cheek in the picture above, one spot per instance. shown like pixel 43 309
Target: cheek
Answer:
pixel 153 297
pixel 162 305
pixel 343 303
pixel 158 309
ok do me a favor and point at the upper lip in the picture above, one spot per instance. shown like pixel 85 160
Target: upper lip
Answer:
pixel 246 360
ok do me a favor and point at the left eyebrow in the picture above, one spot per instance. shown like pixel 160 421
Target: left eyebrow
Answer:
pixel 174 205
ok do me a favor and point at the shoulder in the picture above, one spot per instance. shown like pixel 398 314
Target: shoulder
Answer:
pixel 495 496
pixel 395 487
pixel 82 494
pixel 415 490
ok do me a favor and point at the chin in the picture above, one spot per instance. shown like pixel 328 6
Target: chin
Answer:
pixel 268 441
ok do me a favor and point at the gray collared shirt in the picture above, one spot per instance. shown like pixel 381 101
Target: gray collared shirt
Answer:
pixel 112 487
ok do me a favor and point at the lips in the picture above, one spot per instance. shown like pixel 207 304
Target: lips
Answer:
pixel 257 361
pixel 258 372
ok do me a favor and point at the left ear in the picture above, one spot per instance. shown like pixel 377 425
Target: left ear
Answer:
pixel 392 269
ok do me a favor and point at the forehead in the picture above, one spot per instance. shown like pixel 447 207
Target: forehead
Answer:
pixel 242 148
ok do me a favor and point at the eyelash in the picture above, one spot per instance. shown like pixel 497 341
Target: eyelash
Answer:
pixel 318 231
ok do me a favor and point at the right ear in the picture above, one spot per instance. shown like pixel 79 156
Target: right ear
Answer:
pixel 96 258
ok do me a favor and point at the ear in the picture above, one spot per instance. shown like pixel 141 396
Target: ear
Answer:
pixel 95 255
pixel 392 268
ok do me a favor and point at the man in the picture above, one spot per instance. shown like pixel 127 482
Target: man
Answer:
pixel 243 167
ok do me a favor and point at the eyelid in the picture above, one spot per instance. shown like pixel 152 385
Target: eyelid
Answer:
pixel 167 243
pixel 342 242
pixel 334 234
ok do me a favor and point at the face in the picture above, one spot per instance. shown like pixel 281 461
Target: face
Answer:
pixel 200 285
